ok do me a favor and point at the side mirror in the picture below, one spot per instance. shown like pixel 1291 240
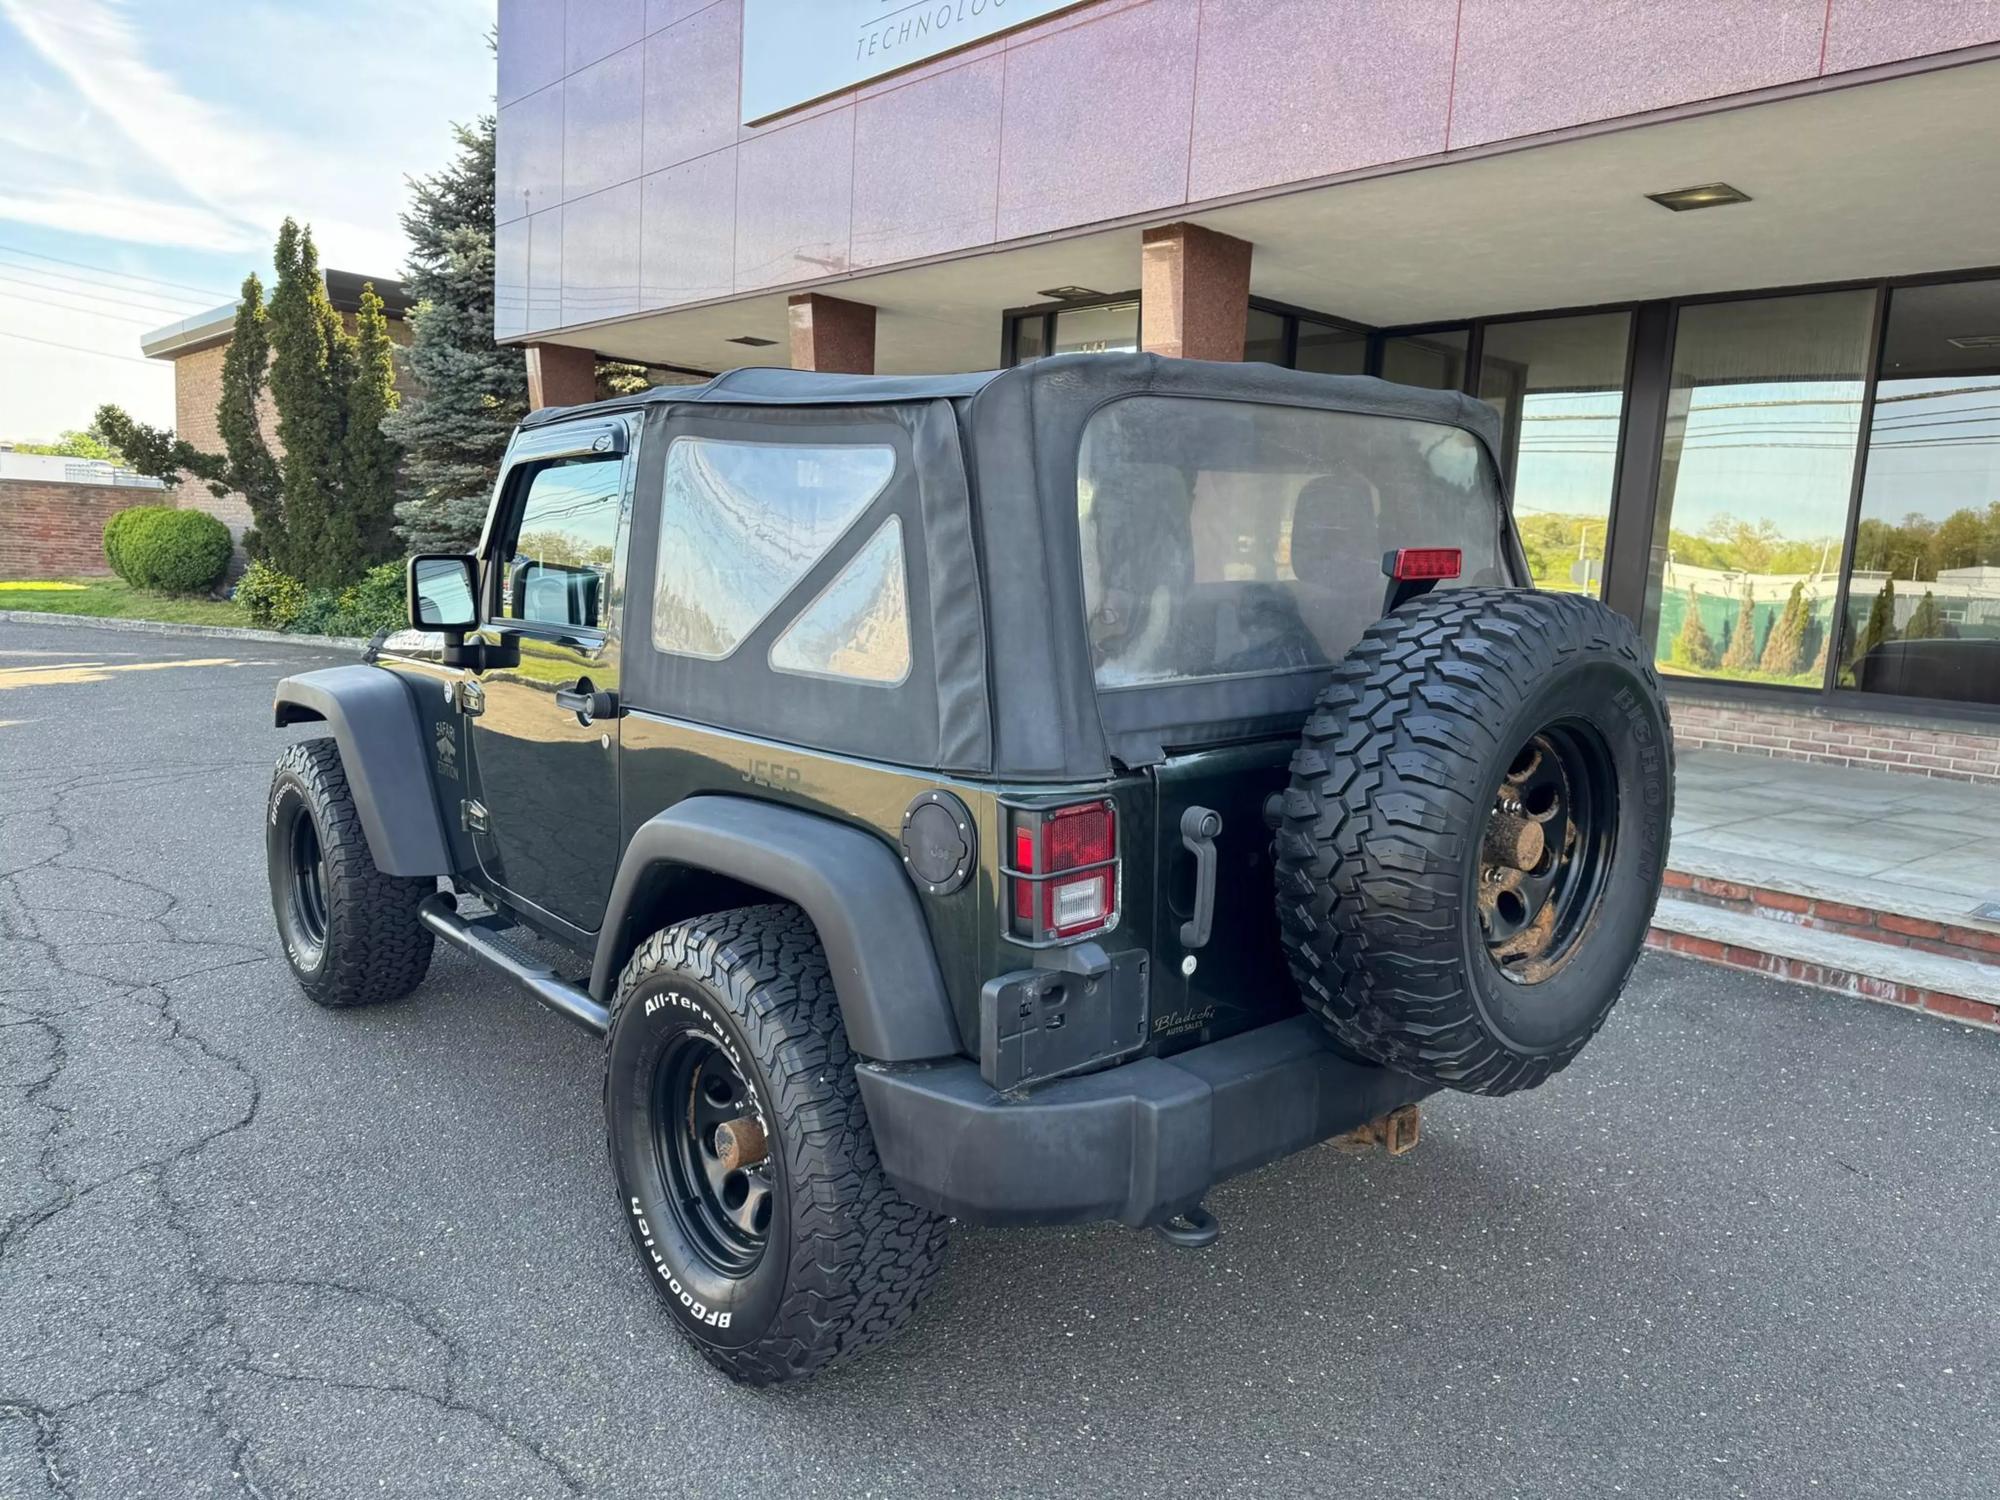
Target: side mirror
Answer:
pixel 443 592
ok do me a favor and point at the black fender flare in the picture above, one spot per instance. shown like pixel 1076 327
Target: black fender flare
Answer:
pixel 386 755
pixel 878 948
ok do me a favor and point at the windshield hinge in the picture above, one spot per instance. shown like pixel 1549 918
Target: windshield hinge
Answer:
pixel 472 816
pixel 469 697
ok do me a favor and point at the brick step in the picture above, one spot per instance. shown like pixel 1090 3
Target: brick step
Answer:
pixel 1943 984
pixel 1879 911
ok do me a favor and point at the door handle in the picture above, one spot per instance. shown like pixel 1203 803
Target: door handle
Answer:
pixel 586 702
pixel 1200 827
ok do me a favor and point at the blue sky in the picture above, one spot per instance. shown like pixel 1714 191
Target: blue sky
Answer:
pixel 149 149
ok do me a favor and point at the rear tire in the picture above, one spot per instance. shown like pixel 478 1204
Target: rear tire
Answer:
pixel 783 1255
pixel 351 933
pixel 1475 833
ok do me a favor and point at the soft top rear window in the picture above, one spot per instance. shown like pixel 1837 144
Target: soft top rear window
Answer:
pixel 1223 538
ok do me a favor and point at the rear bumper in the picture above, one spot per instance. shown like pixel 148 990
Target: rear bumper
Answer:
pixel 1136 1143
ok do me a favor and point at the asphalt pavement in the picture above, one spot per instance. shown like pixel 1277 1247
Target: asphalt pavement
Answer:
pixel 1748 1245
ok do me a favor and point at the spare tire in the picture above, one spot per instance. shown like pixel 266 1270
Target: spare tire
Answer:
pixel 1475 833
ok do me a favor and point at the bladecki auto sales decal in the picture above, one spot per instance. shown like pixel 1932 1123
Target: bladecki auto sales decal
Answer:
pixel 796 51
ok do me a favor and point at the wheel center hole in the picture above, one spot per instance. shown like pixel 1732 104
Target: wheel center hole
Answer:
pixel 1510 906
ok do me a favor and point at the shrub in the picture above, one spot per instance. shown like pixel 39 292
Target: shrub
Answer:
pixel 375 603
pixel 171 551
pixel 272 599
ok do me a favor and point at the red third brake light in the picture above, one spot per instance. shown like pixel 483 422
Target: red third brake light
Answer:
pixel 1413 563
pixel 1065 872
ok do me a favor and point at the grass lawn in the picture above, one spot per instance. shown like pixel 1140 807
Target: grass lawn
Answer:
pixel 114 598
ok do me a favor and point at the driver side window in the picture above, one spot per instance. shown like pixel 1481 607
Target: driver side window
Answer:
pixel 555 565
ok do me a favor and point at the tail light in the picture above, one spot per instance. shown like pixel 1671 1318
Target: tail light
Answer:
pixel 1063 876
pixel 1408 564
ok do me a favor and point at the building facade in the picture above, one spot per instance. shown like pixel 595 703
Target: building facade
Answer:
pixel 1728 269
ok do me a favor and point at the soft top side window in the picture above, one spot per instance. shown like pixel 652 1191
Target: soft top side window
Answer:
pixel 742 523
pixel 556 559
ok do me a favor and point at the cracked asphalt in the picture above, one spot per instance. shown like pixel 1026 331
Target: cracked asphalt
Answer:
pixel 1748 1245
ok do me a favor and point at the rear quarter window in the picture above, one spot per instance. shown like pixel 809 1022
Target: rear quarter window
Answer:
pixel 1223 538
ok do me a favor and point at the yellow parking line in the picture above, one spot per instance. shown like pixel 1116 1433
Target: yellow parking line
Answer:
pixel 64 673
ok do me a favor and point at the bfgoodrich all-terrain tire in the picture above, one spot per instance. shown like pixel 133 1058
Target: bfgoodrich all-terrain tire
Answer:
pixel 351 933
pixel 1474 835
pixel 744 1162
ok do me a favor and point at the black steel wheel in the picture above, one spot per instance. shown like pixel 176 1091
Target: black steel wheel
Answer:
pixel 1547 849
pixel 745 1167
pixel 350 932
pixel 1475 834
pixel 713 1147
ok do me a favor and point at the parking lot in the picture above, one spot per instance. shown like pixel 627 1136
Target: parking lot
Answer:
pixel 1748 1245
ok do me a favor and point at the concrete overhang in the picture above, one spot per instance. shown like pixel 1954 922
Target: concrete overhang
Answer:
pixel 205 329
pixel 1892 177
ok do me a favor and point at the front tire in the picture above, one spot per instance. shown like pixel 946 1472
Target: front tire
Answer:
pixel 745 1167
pixel 351 933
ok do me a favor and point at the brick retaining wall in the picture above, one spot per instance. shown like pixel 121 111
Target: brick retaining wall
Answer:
pixel 1959 750
pixel 53 530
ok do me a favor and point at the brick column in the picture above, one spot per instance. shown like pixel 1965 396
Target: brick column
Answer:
pixel 1194 292
pixel 560 376
pixel 831 333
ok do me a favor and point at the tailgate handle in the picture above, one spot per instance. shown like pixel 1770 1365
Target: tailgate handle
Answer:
pixel 1200 827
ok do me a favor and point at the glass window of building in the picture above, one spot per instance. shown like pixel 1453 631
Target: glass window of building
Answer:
pixel 1329 350
pixel 1111 329
pixel 1264 337
pixel 1756 470
pixel 1923 600
pixel 1433 360
pixel 1031 338
pixel 1559 386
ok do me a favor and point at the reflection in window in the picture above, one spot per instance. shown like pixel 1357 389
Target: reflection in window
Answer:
pixel 1559 386
pixel 1098 330
pixel 1435 361
pixel 1755 473
pixel 560 559
pixel 741 524
pixel 1923 601
pixel 859 626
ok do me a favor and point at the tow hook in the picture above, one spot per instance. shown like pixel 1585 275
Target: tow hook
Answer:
pixel 1191 1229
pixel 1397 1131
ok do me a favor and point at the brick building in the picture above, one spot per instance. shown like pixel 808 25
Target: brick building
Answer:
pixel 1726 268
pixel 196 344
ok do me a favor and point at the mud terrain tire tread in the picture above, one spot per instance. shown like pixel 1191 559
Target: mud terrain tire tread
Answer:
pixel 861 1256
pixel 376 949
pixel 1371 847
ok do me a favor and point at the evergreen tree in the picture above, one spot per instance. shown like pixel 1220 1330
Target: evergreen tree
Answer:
pixel 1926 620
pixel 1785 650
pixel 1693 646
pixel 468 392
pixel 1742 653
pixel 251 472
pixel 312 368
pixel 156 452
pixel 367 517
pixel 1881 624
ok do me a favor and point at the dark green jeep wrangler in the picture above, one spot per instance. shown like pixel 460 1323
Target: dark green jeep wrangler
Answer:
pixel 1025 798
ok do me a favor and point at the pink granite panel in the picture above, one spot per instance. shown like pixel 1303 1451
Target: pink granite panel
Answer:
pixel 688 231
pixel 510 278
pixel 1861 33
pixel 691 86
pixel 1096 123
pixel 528 155
pixel 545 252
pixel 531 47
pixel 927 165
pixel 661 13
pixel 1291 89
pixel 1526 66
pixel 794 201
pixel 602 123
pixel 600 262
pixel 597 28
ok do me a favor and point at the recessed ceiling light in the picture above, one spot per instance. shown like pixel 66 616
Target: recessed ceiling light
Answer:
pixel 1975 341
pixel 1708 195
pixel 1068 293
pixel 753 341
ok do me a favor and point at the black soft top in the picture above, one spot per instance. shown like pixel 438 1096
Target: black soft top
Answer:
pixel 1011 690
